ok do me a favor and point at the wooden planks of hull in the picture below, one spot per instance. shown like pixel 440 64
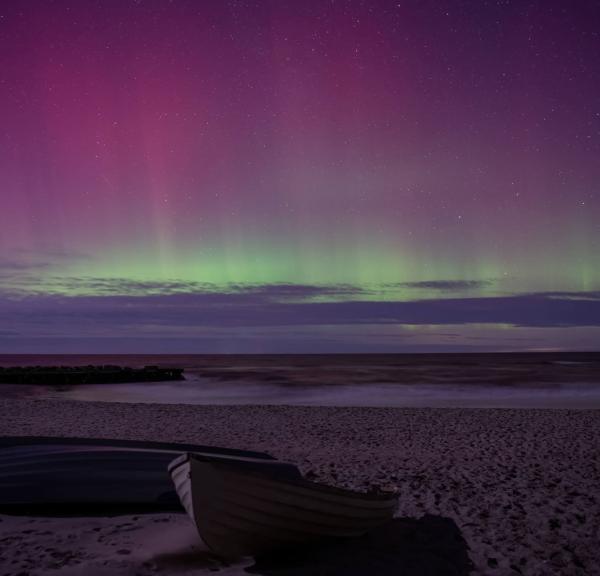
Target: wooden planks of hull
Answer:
pixel 248 511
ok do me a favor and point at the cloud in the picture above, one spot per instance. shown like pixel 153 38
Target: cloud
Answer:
pixel 119 286
pixel 7 333
pixel 588 295
pixel 24 270
pixel 30 285
pixel 268 306
pixel 300 291
pixel 445 285
pixel 18 266
pixel 290 318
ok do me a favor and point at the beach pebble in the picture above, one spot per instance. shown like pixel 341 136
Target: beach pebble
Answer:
pixel 519 486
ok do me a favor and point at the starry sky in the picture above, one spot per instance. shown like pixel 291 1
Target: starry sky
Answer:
pixel 284 176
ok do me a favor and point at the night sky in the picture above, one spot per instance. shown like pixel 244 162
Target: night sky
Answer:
pixel 299 176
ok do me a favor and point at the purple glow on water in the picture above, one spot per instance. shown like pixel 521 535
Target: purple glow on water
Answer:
pixel 480 381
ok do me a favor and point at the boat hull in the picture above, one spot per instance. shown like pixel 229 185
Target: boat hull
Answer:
pixel 241 511
pixel 87 476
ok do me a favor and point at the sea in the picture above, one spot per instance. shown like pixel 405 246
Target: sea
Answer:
pixel 500 380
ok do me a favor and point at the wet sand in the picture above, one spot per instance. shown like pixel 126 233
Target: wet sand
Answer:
pixel 512 491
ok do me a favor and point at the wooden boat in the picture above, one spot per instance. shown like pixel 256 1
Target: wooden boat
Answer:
pixel 75 476
pixel 248 506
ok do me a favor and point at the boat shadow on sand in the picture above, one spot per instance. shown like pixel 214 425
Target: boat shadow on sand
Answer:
pixel 431 545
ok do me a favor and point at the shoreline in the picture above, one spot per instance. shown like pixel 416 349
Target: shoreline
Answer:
pixel 520 485
pixel 194 391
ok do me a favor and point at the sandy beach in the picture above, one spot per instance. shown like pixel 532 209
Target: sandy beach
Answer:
pixel 481 491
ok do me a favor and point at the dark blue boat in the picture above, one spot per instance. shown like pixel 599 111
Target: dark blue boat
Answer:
pixel 81 476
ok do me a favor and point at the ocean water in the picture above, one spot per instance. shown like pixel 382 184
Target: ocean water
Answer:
pixel 532 380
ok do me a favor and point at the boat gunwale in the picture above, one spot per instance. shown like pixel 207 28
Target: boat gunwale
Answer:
pixel 181 448
pixel 75 459
pixel 302 482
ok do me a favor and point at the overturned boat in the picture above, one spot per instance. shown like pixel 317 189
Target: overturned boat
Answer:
pixel 82 476
pixel 244 506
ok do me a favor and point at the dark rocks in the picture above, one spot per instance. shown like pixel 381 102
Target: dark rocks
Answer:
pixel 73 375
